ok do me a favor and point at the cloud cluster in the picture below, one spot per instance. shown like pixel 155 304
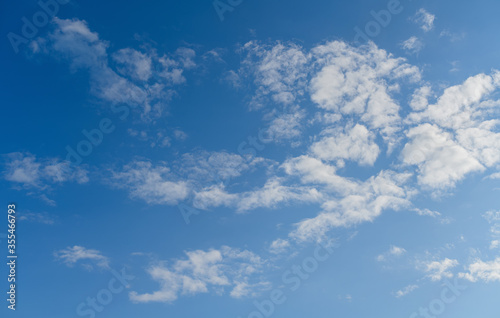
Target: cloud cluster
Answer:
pixel 484 271
pixel 39 175
pixel 224 269
pixel 456 135
pixel 437 270
pixel 129 77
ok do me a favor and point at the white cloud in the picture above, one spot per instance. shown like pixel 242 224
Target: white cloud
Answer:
pixel 43 218
pixel 180 135
pixel 200 176
pixel 153 184
pixel 72 40
pixel 438 270
pixel 340 79
pixel 393 251
pixel 428 212
pixel 493 218
pixel 202 271
pixel 32 172
pixel 405 291
pixel 279 246
pixel 270 195
pixel 485 271
pixel 214 166
pixel 441 161
pixel 354 143
pixel 363 204
pixel 155 140
pixel 420 97
pixel 424 19
pixel 214 196
pixel 133 63
pixel 413 45
pixel 459 106
pixel 359 82
pixel 273 193
pixel 454 136
pixel 279 72
pixel 494 176
pixel 286 126
pixel 78 254
pixel 171 67
pixel 494 244
pixel 314 171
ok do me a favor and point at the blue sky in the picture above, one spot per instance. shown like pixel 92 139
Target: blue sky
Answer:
pixel 252 158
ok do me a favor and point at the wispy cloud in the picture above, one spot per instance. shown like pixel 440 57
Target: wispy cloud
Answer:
pixel 413 45
pixel 424 19
pixel 405 291
pixel 43 218
pixel 393 251
pixel 88 258
pixel 142 80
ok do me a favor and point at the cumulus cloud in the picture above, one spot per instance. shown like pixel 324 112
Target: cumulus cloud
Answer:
pixel 339 78
pixel 313 171
pixel 483 271
pixel 363 203
pixel 286 126
pixel 459 106
pixel 420 98
pixel 279 72
pixel 359 82
pixel 356 143
pixel 454 136
pixel 225 269
pixel 437 270
pixel 440 160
